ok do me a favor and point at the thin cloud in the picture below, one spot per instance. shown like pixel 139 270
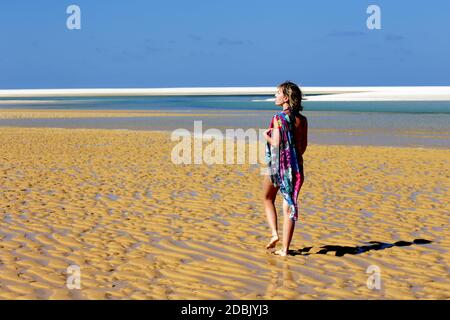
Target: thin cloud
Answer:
pixel 394 37
pixel 346 34
pixel 151 46
pixel 195 37
pixel 139 52
pixel 405 52
pixel 232 42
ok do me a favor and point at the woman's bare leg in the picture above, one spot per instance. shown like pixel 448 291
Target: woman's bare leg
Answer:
pixel 288 230
pixel 269 195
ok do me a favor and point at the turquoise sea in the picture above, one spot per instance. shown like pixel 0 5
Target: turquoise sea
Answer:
pixel 187 103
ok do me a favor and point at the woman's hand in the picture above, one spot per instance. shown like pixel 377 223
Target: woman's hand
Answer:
pixel 272 136
pixel 267 134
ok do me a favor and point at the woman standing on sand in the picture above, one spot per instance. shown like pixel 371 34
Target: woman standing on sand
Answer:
pixel 286 142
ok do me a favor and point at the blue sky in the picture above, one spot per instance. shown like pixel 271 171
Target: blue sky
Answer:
pixel 178 43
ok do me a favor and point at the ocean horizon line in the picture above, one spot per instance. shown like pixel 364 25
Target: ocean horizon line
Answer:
pixel 393 93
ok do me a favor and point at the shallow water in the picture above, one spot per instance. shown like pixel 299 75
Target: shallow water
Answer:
pixel 400 123
pixel 214 103
pixel 349 128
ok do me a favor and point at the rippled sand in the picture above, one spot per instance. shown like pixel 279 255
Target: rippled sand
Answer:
pixel 140 227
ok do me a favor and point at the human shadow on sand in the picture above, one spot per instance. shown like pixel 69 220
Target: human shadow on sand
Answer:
pixel 342 250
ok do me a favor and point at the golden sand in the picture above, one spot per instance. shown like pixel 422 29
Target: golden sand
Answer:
pixel 140 227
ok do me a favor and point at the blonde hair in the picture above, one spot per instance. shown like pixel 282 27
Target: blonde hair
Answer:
pixel 294 94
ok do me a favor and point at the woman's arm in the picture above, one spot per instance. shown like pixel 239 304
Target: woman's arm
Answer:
pixel 274 137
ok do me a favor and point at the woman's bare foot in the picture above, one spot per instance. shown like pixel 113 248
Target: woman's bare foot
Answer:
pixel 273 242
pixel 281 253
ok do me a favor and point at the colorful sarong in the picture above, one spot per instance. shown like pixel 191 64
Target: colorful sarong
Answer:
pixel 284 168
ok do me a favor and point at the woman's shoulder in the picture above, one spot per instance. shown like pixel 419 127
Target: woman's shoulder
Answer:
pixel 302 118
pixel 277 114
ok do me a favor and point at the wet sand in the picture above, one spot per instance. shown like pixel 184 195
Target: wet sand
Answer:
pixel 141 227
pixel 326 128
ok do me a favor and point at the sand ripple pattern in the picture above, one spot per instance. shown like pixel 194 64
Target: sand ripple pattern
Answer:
pixel 140 227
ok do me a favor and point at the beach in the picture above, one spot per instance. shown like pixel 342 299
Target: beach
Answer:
pixel 138 226
pixel 143 143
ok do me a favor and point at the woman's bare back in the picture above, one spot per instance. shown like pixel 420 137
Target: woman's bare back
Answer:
pixel 301 135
